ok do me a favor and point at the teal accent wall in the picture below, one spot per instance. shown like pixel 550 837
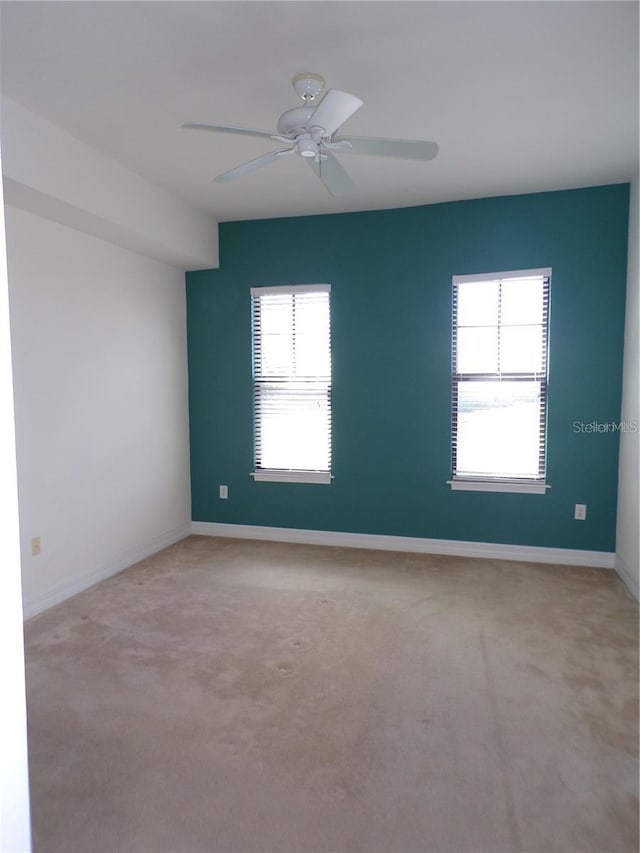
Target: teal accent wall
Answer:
pixel 390 273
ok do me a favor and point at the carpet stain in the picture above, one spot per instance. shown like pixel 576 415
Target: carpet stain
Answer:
pixel 298 645
pixel 286 670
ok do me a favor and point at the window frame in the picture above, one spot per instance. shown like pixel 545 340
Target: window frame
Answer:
pixel 286 475
pixel 484 482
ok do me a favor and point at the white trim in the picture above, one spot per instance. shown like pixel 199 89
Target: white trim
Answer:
pixel 626 577
pixel 500 276
pixel 512 486
pixel 274 475
pixel 112 567
pixel 453 547
pixel 291 288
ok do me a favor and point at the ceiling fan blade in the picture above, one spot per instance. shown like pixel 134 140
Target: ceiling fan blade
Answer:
pixel 341 145
pixel 333 110
pixel 332 175
pixel 410 149
pixel 244 131
pixel 245 168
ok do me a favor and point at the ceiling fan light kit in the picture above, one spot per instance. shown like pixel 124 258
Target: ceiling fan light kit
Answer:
pixel 309 132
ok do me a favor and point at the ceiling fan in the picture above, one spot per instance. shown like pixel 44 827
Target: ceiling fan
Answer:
pixel 309 131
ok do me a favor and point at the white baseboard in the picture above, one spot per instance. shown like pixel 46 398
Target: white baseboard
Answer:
pixel 529 554
pixel 111 567
pixel 626 577
pixel 453 547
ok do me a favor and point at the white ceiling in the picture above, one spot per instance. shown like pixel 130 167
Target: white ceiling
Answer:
pixel 520 96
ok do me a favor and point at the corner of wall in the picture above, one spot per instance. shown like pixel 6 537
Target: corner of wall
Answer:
pixel 627 532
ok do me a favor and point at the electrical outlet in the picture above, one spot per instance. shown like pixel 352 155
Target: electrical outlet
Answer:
pixel 36 546
pixel 580 513
pixel 224 492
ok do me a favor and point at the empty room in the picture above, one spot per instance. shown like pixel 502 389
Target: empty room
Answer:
pixel 319 449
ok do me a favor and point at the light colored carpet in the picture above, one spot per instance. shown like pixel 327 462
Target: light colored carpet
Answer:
pixel 245 696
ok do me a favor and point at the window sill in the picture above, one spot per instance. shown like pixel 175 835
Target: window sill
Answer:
pixel 495 485
pixel 273 475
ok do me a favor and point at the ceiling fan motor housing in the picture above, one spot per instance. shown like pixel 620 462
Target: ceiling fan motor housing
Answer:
pixel 295 120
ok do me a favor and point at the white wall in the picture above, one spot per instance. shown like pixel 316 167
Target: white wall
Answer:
pixel 100 375
pixel 15 830
pixel 627 535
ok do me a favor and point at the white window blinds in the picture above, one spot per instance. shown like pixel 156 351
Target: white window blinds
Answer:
pixel 292 383
pixel 499 375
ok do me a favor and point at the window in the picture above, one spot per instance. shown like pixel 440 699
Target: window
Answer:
pixel 499 381
pixel 292 383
